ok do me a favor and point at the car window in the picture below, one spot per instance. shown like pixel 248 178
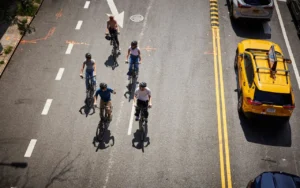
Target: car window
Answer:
pixel 257 2
pixel 249 69
pixel 272 98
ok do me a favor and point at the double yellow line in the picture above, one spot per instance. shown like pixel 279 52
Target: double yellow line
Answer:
pixel 221 108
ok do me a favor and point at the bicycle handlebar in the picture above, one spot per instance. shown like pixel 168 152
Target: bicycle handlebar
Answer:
pixel 85 77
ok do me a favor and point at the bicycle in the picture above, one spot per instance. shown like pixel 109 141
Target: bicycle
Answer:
pixel 103 124
pixel 90 91
pixel 114 52
pixel 133 73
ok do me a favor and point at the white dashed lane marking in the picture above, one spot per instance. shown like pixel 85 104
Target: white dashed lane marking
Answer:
pixel 59 74
pixel 47 107
pixel 78 26
pixel 69 49
pixel 30 148
pixel 87 4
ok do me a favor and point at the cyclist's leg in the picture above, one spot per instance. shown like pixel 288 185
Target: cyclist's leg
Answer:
pixel 146 109
pixel 102 106
pixel 136 65
pixel 109 110
pixel 87 80
pixel 94 81
pixel 130 65
pixel 117 40
pixel 137 110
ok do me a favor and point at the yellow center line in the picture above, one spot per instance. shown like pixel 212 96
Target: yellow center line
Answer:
pixel 221 108
pixel 220 136
pixel 228 170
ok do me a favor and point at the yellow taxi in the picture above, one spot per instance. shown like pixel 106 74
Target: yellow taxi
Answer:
pixel 264 84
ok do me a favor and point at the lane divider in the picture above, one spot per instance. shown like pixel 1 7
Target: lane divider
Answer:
pixel 220 98
pixel 30 148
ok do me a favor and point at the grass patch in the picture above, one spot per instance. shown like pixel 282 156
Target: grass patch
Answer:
pixel 8 49
pixel 1 62
pixel 26 8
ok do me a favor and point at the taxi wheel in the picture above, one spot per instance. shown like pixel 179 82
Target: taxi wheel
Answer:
pixel 240 103
pixel 236 60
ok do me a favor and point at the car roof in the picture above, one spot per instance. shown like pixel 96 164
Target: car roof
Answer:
pixel 258 50
pixel 276 180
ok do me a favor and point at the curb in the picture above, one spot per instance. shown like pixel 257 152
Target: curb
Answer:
pixel 1 73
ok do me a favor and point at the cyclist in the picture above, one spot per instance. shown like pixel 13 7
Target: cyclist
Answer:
pixel 134 58
pixel 90 70
pixel 113 29
pixel 142 99
pixel 105 102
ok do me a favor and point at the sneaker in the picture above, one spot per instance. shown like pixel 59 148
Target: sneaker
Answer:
pixel 137 118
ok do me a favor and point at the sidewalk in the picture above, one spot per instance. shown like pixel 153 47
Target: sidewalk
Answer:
pixel 11 39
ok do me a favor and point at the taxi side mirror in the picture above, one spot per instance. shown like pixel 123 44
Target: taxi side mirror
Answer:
pixel 286 60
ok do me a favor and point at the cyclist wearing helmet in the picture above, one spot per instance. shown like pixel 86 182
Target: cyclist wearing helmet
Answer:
pixel 90 69
pixel 105 102
pixel 113 29
pixel 142 99
pixel 134 55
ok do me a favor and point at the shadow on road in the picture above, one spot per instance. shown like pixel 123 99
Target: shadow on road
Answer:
pixel 7 11
pixel 131 87
pixel 89 105
pixel 111 63
pixel 294 20
pixel 267 131
pixel 249 29
pixel 137 142
pixel 104 143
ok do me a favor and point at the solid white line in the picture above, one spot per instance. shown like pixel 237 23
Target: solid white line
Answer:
pixel 69 49
pixel 267 28
pixel 131 119
pixel 30 148
pixel 87 4
pixel 78 26
pixel 288 44
pixel 59 74
pixel 282 0
pixel 47 107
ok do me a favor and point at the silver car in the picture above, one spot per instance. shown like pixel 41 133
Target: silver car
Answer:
pixel 253 9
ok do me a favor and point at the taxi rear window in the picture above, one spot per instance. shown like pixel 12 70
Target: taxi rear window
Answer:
pixel 272 98
pixel 257 2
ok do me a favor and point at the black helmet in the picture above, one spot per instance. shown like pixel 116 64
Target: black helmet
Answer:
pixel 88 56
pixel 143 84
pixel 103 85
pixel 134 43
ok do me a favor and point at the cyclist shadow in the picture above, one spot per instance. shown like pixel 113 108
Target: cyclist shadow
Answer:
pixel 104 143
pixel 111 63
pixel 137 142
pixel 131 87
pixel 87 107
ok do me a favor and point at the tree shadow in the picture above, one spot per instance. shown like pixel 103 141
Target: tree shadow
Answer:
pixel 61 171
pixel 137 142
pixel 131 87
pixel 7 12
pixel 111 63
pixel 89 105
pixel 104 143
pixel 247 28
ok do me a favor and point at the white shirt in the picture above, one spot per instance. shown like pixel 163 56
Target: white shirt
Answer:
pixel 134 52
pixel 142 95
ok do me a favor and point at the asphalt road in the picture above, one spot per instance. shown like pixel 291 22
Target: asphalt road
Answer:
pixel 183 150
